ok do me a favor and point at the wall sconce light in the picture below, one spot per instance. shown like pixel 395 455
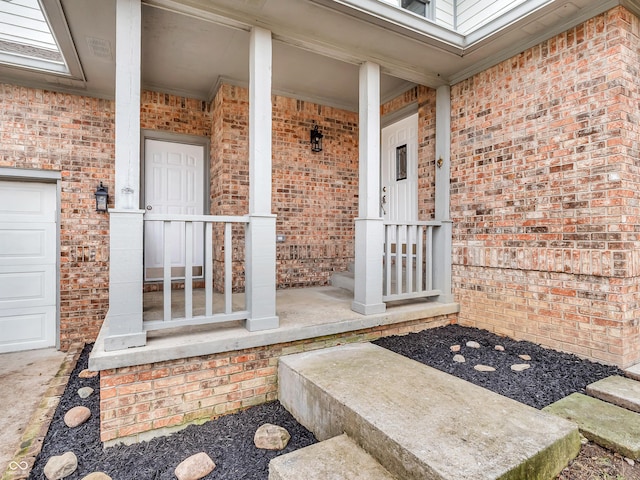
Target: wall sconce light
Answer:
pixel 102 198
pixel 316 140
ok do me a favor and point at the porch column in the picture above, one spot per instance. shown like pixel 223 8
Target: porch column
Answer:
pixel 369 248
pixel 124 319
pixel 442 237
pixel 261 232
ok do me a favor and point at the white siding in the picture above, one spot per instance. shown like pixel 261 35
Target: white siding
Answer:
pixel 472 14
pixel 445 13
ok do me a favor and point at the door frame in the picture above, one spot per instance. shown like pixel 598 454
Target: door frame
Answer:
pixel 43 176
pixel 171 137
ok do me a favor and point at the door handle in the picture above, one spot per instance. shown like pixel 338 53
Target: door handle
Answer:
pixel 149 207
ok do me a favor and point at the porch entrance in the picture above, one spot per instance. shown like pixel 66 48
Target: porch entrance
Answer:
pixel 399 171
pixel 28 264
pixel 174 185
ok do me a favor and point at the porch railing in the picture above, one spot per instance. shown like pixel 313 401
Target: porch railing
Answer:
pixel 188 223
pixel 409 260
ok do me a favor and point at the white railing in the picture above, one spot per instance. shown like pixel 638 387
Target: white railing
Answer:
pixel 409 260
pixel 187 224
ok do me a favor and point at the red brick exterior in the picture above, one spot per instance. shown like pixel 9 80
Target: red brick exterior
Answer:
pixel 75 136
pixel 544 192
pixel 314 194
pixel 174 394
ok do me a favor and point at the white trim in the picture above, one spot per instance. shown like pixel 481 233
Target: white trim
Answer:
pixel 29 175
pixel 401 114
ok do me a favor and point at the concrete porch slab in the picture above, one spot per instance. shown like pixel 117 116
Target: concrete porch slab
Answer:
pixel 418 422
pixel 338 458
pixel 609 426
pixel 304 313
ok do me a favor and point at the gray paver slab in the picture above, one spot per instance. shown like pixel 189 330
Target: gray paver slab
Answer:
pixel 338 458
pixel 419 422
pixel 621 391
pixel 633 372
pixel 608 425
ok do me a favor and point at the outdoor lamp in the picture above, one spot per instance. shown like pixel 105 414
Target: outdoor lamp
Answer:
pixel 102 198
pixel 316 140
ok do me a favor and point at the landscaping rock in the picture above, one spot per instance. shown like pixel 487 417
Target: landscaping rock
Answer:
pixel 85 392
pixel 195 467
pixel 61 466
pixel 484 368
pixel 86 373
pixel 473 344
pixel 97 476
pixel 526 358
pixel 271 437
pixel 454 348
pixel 76 416
pixel 459 359
pixel 519 367
pixel 499 348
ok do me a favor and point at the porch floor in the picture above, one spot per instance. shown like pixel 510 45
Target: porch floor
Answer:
pixel 304 313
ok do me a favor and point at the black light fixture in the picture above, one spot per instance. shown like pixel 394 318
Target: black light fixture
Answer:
pixel 102 198
pixel 316 140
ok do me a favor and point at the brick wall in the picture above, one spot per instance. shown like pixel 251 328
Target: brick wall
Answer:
pixel 155 399
pixel 544 192
pixel 75 136
pixel 314 194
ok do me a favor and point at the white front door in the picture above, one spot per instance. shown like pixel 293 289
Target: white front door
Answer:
pixel 399 171
pixel 28 280
pixel 174 184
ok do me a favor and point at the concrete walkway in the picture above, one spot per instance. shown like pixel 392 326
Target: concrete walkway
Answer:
pixel 31 383
pixel 415 421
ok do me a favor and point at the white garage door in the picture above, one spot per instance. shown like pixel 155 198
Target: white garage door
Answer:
pixel 28 287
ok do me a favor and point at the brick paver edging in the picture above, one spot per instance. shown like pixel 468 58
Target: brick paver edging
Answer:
pixel 33 437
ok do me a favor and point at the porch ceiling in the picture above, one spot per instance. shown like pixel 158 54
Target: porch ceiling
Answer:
pixel 190 46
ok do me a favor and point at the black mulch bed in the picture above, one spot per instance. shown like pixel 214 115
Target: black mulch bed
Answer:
pixel 229 440
pixel 552 376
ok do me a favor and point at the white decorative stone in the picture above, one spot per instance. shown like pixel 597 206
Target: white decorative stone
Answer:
pixel 195 467
pixel 526 358
pixel 473 344
pixel 519 367
pixel 85 392
pixel 76 416
pixel 484 368
pixel 271 437
pixel 459 359
pixel 61 466
pixel 454 348
pixel 499 348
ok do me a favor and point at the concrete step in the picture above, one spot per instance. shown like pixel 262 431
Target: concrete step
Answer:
pixel 420 423
pixel 343 280
pixel 608 425
pixel 618 390
pixel 338 458
pixel 633 372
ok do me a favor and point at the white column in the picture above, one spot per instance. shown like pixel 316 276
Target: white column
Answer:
pixel 369 227
pixel 261 232
pixel 124 320
pixel 442 237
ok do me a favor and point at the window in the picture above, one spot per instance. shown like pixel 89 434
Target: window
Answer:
pixel 27 39
pixel 416 6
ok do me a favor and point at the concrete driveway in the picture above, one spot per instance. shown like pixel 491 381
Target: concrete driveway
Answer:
pixel 24 379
